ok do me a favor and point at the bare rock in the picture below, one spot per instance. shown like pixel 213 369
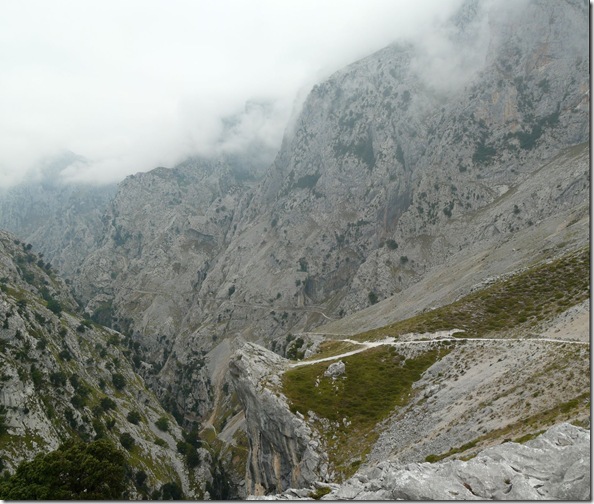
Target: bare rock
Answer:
pixel 335 369
pixel 554 466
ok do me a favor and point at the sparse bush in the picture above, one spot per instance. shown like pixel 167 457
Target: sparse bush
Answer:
pixel 118 380
pixel 318 493
pixel 192 458
pixel 107 403
pixel 391 244
pixel 303 264
pixel 133 417
pixel 127 441
pixel 162 424
pixel 58 379
pixel 140 478
pixel 54 306
pixel 171 491
pixel 65 355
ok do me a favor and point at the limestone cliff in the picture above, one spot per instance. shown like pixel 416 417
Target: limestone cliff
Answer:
pixel 382 176
pixel 284 451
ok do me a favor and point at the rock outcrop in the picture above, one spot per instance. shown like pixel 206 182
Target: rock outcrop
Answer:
pixel 554 466
pixel 284 451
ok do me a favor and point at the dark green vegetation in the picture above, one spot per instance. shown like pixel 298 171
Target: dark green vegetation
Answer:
pixel 82 471
pixel 320 492
pixel 375 383
pixel 76 470
pixel 523 300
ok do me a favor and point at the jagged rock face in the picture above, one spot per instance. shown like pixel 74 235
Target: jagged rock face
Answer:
pixel 284 451
pixel 373 185
pixel 161 233
pixel 555 466
pixel 380 156
pixel 382 160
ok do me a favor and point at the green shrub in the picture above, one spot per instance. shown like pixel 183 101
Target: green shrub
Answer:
pixel 54 306
pixel 171 491
pixel 107 403
pixel 391 244
pixel 133 417
pixel 318 493
pixel 118 380
pixel 127 441
pixel 58 379
pixel 192 458
pixel 162 424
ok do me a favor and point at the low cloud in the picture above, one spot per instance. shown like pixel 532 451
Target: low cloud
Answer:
pixel 144 83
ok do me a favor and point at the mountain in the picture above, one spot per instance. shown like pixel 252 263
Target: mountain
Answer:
pixel 62 219
pixel 436 186
pixel 384 176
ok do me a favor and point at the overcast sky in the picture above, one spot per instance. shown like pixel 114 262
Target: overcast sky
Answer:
pixel 135 84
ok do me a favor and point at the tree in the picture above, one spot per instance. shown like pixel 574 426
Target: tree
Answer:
pixel 54 306
pixel 127 441
pixel 118 381
pixel 171 491
pixel 162 424
pixel 75 471
pixel 133 417
pixel 107 403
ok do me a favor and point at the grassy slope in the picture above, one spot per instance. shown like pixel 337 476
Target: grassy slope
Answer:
pixel 379 381
pixel 523 300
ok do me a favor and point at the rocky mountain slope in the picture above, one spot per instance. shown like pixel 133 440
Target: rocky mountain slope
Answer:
pixel 397 193
pixel 62 220
pixel 64 376
pixel 383 176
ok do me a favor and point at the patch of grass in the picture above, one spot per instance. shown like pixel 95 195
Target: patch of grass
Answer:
pixel 376 382
pixel 528 437
pixel 453 451
pixel 525 299
pixel 320 492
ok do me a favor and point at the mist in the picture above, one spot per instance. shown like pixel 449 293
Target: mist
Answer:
pixel 138 84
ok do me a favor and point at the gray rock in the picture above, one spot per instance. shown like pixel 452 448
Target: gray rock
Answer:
pixel 556 466
pixel 284 450
pixel 335 369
